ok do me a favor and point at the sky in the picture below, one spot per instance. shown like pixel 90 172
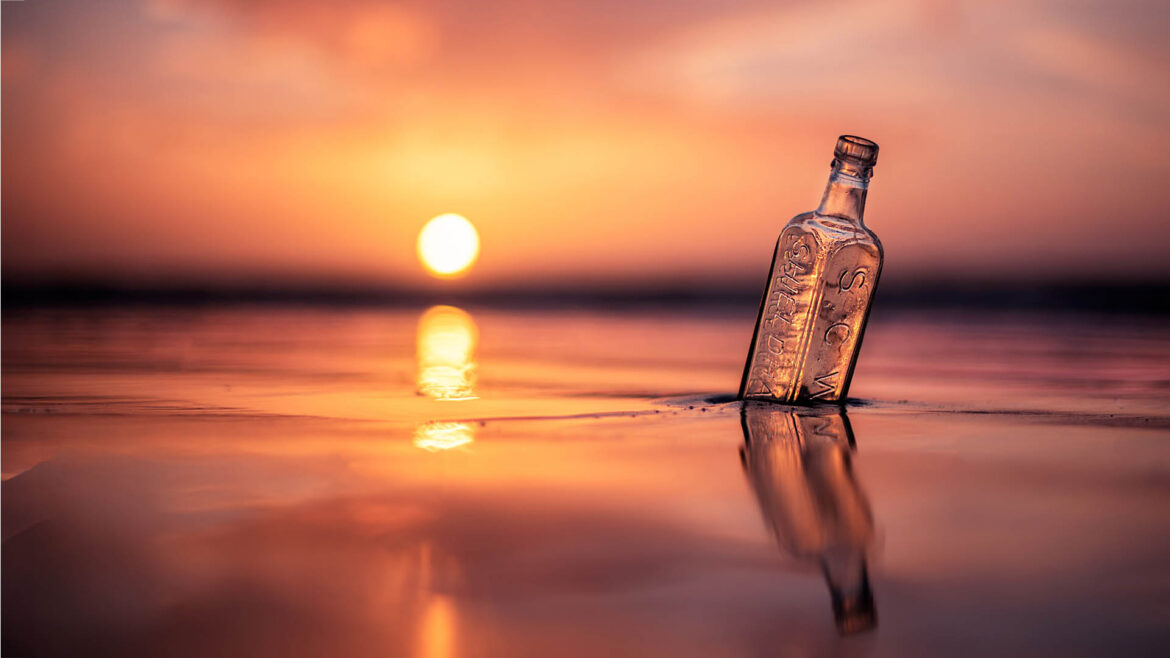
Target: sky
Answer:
pixel 600 142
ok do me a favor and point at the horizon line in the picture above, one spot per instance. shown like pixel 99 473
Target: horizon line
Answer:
pixel 1143 297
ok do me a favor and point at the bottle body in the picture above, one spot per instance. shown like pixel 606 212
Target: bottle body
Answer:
pixel 817 299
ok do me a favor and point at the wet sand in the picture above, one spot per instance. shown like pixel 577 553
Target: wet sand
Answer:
pixel 473 482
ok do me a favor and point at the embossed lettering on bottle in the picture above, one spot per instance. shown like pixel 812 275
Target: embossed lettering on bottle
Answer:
pixel 818 295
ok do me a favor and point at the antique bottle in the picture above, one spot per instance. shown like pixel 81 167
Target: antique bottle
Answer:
pixel 818 294
pixel 799 464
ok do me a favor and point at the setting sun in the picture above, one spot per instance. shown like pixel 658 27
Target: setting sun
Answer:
pixel 448 245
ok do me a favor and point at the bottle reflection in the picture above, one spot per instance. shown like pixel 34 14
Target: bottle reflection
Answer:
pixel 799 465
pixel 447 338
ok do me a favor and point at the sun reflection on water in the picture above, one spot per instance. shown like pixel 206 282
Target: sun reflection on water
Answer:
pixel 447 338
pixel 436 635
pixel 437 629
pixel 435 437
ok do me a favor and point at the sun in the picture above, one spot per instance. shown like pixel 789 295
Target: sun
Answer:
pixel 448 245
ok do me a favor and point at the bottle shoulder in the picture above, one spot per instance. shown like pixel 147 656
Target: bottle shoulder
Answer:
pixel 834 230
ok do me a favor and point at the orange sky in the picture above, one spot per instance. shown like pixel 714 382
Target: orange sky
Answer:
pixel 151 140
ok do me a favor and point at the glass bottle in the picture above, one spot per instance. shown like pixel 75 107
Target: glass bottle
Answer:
pixel 817 298
pixel 799 464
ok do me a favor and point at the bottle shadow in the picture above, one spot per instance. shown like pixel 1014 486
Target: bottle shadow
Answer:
pixel 799 464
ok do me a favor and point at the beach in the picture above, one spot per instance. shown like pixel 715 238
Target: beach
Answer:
pixel 282 480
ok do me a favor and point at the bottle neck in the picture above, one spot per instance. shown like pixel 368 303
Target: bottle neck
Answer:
pixel 849 588
pixel 845 194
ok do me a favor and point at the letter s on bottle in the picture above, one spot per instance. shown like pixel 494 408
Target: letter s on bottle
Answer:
pixel 853 282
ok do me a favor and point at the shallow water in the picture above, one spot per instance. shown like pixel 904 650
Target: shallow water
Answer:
pixel 306 482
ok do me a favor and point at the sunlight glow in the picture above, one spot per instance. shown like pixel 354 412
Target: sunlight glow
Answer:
pixel 448 245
